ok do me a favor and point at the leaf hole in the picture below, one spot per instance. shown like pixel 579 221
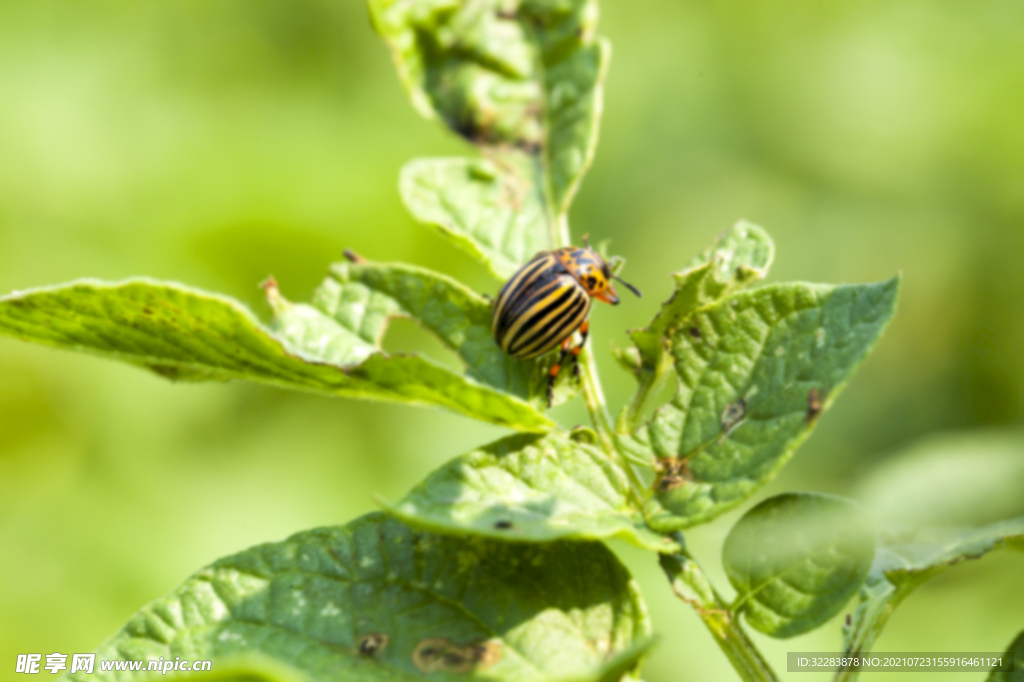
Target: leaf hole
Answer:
pixel 733 414
pixel 372 643
pixel 440 654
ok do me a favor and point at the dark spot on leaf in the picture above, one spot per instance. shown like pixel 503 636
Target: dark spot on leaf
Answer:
pixel 733 413
pixel 440 654
pixel 815 404
pixel 147 311
pixel 372 643
pixel 849 620
pixel 674 472
pixel 667 483
pixel 502 525
pixel 694 332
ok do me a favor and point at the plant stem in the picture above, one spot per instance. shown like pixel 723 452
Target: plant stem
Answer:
pixel 593 396
pixel 691 585
pixel 631 417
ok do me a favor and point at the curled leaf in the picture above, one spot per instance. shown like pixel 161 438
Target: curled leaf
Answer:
pixel 904 561
pixel 1012 668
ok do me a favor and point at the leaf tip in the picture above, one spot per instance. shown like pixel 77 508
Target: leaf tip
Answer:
pixel 353 257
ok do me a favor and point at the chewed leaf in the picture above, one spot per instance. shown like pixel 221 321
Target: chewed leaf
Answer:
pixel 185 333
pixel 375 600
pixel 904 561
pixel 497 216
pixel 530 489
pixel 796 559
pixel 362 296
pixel 521 81
pixel 756 370
pixel 741 255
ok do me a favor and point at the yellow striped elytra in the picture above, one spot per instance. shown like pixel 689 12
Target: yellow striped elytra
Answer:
pixel 547 300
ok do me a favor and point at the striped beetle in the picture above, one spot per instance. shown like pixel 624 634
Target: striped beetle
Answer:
pixel 543 304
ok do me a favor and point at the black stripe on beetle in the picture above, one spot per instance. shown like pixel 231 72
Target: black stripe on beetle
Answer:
pixel 547 300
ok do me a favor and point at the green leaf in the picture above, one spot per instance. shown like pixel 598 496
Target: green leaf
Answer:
pixel 1014 659
pixel 755 370
pixel 904 561
pixel 375 600
pixel 532 489
pixel 796 559
pixel 950 479
pixel 500 217
pixel 524 83
pixel 740 256
pixel 185 333
pixel 363 296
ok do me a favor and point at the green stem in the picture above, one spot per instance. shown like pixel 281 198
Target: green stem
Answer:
pixel 631 417
pixel 691 585
pixel 593 396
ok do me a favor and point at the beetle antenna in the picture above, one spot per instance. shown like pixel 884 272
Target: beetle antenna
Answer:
pixel 586 240
pixel 629 286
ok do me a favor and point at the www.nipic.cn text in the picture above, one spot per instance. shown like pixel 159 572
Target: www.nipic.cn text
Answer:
pixel 33 664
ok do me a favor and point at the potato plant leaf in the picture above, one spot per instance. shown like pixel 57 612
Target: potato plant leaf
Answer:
pixel 904 561
pixel 741 255
pixel 498 216
pixel 1014 658
pixel 949 479
pixel 523 82
pixel 530 488
pixel 376 600
pixel 363 296
pixel 185 333
pixel 755 371
pixel 796 559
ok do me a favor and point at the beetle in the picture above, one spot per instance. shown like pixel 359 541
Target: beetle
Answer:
pixel 547 300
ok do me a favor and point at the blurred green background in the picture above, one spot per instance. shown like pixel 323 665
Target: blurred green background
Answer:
pixel 218 142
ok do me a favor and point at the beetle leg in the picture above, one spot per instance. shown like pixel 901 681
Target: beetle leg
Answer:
pixel 556 368
pixel 584 332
